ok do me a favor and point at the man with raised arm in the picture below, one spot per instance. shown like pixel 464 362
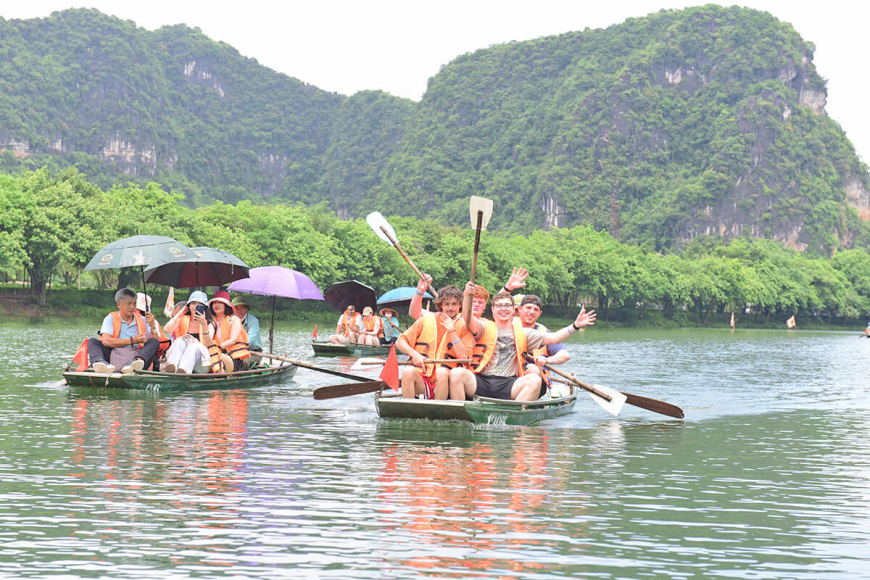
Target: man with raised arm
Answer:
pixel 499 369
pixel 434 336
pixel 554 354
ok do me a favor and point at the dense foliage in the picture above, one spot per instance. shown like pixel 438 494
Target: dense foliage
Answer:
pixel 53 226
pixel 658 130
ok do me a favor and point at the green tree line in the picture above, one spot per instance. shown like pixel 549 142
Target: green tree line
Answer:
pixel 51 226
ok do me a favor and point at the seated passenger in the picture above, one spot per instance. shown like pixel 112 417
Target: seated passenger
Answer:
pixel 190 326
pixel 346 330
pixel 143 306
pixel 390 324
pixel 125 339
pixel 369 328
pixel 229 336
pixel 252 326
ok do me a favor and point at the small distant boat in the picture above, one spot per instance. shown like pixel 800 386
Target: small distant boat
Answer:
pixel 391 405
pixel 152 381
pixel 325 348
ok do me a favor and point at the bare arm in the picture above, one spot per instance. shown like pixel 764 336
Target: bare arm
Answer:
pixel 559 358
pixel 415 310
pixel 405 348
pixel 583 319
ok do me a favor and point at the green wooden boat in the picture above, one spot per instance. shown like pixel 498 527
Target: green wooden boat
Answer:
pixel 391 405
pixel 330 349
pixel 151 381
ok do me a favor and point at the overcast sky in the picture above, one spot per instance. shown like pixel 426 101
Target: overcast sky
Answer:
pixel 396 45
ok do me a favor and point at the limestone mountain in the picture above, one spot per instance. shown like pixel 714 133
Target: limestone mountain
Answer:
pixel 683 123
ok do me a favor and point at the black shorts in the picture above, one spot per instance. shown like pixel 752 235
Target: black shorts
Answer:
pixel 494 387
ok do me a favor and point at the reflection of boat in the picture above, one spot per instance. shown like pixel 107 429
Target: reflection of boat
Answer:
pixel 157 381
pixel 391 405
pixel 330 349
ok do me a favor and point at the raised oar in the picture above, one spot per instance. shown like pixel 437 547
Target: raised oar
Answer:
pixel 653 405
pixel 364 363
pixel 308 366
pixel 481 211
pixel 335 391
pixel 385 231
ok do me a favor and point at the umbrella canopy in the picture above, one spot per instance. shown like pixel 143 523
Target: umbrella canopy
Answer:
pixel 399 297
pixel 138 251
pixel 278 281
pixel 204 267
pixel 341 294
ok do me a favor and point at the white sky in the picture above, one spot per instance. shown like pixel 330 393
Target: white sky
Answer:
pixel 396 45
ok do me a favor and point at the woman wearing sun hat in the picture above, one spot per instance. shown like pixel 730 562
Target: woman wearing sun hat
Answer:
pixel 391 326
pixel 192 327
pixel 230 335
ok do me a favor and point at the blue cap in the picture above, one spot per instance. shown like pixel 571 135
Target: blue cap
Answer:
pixel 198 296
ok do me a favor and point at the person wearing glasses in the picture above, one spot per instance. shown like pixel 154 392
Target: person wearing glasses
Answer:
pixel 499 369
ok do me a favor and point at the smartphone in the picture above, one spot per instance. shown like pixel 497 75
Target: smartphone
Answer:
pixel 200 308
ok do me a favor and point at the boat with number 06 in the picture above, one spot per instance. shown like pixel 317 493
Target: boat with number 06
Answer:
pixel 165 382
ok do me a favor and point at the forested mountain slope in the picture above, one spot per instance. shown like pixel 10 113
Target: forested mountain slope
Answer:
pixel 683 123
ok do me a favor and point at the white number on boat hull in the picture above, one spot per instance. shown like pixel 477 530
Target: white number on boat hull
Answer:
pixel 152 387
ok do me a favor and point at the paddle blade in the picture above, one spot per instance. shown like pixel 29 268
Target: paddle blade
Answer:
pixel 614 405
pixel 366 363
pixel 480 205
pixel 654 405
pixel 390 374
pixel 335 391
pixel 379 223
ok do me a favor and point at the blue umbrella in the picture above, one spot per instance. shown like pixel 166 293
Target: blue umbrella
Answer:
pixel 400 296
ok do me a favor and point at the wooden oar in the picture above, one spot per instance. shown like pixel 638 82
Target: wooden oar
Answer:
pixel 368 362
pixel 385 231
pixel 481 211
pixel 308 366
pixel 653 405
pixel 335 391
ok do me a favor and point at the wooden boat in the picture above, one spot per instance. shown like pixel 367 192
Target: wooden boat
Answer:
pixel 391 405
pixel 160 382
pixel 330 349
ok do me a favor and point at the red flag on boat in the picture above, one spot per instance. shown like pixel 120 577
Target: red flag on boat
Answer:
pixel 315 332
pixel 790 322
pixel 81 356
pixel 732 320
pixel 390 374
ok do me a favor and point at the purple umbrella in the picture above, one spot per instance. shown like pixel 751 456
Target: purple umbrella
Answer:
pixel 277 281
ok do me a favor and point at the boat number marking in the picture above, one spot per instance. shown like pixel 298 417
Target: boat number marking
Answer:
pixel 152 387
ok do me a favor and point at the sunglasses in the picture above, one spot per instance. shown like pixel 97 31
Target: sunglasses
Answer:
pixel 502 306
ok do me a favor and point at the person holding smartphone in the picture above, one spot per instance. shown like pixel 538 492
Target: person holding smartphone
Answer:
pixel 193 326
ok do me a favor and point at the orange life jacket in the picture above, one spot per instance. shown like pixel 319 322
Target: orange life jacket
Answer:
pixel 485 347
pixel 117 321
pixel 433 341
pixel 237 350
pixel 542 351
pixel 373 321
pixel 348 325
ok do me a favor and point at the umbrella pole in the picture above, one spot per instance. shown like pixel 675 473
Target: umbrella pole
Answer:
pixel 272 327
pixel 145 290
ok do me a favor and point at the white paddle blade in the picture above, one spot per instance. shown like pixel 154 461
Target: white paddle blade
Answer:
pixel 480 204
pixel 379 223
pixel 366 363
pixel 614 405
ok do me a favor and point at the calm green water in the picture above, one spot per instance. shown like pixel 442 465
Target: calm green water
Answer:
pixel 767 477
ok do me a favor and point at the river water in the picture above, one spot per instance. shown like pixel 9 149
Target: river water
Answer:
pixel 768 476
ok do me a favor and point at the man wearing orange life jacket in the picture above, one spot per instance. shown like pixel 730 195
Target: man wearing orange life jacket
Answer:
pixel 346 330
pixel 554 354
pixel 125 338
pixel 434 336
pixel 499 367
pixel 369 327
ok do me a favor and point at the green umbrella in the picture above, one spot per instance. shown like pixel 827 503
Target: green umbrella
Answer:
pixel 142 251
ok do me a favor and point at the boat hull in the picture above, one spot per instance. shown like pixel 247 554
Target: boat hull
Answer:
pixel 481 410
pixel 151 381
pixel 330 349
